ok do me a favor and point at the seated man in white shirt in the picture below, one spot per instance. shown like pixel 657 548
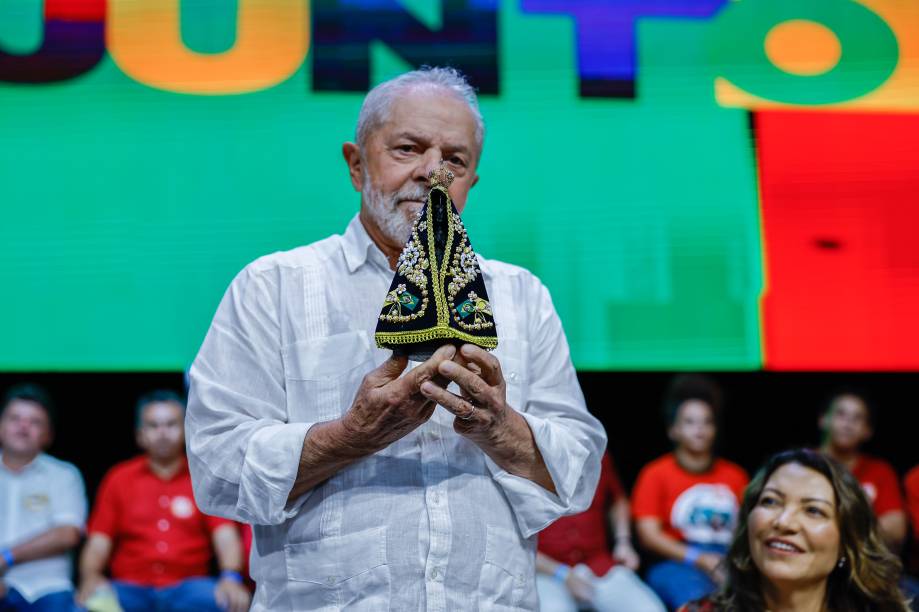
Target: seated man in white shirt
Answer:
pixel 42 508
pixel 363 493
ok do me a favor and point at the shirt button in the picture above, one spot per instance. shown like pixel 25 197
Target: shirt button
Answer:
pixel 330 580
pixel 512 376
pixel 436 498
pixel 162 525
pixel 162 546
pixel 435 574
pixel 164 501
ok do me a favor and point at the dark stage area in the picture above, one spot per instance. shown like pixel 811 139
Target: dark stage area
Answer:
pixel 764 412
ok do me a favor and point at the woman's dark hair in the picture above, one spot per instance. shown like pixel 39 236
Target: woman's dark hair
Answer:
pixel 867 580
pixel 686 387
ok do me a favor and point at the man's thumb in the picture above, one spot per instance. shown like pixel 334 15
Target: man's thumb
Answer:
pixel 390 369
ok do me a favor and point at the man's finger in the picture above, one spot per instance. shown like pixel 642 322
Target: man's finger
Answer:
pixel 488 364
pixel 387 371
pixel 460 407
pixel 428 370
pixel 471 383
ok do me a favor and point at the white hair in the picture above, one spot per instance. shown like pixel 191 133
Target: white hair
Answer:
pixel 377 104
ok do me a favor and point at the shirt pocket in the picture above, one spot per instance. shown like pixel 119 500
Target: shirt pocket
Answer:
pixel 322 375
pixel 340 572
pixel 508 570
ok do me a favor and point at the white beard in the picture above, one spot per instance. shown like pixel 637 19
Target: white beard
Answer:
pixel 391 215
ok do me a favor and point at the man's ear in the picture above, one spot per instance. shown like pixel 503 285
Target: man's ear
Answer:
pixel 352 155
pixel 474 181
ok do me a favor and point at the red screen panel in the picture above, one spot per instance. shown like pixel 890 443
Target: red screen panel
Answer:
pixel 840 208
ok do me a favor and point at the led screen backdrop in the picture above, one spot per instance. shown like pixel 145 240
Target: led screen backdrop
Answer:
pixel 708 184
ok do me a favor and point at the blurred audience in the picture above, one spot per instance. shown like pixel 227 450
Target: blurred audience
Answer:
pixel 42 507
pixel 685 503
pixel 807 541
pixel 847 423
pixel 146 529
pixel 911 583
pixel 575 566
pixel 810 534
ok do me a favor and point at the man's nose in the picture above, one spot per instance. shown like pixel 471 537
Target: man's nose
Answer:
pixel 427 163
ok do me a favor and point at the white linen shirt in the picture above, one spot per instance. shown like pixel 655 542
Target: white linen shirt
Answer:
pixel 45 494
pixel 429 523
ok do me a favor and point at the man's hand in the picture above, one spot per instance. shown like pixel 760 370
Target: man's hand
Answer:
pixel 231 595
pixel 88 586
pixel 580 587
pixel 483 416
pixel 626 555
pixel 712 564
pixel 388 407
pixel 481 409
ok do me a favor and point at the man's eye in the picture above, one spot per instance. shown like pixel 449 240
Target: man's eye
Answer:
pixel 406 148
pixel 457 161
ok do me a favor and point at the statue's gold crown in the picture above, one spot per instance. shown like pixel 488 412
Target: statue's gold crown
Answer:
pixel 441 177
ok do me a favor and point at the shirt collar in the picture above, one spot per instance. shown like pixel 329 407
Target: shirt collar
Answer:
pixel 359 247
pixel 183 469
pixel 29 466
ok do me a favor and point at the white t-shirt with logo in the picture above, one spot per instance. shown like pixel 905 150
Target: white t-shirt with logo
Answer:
pixel 47 493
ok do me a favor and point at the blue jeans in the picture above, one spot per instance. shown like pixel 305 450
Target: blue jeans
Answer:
pixel 189 595
pixel 59 601
pixel 677 583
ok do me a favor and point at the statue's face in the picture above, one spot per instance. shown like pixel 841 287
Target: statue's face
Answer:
pixel 423 128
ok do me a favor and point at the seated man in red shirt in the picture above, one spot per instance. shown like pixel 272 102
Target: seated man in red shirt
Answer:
pixel 146 528
pixel 847 423
pixel 686 503
pixel 575 567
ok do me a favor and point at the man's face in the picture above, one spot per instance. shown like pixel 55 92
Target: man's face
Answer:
pixel 424 126
pixel 24 428
pixel 847 423
pixel 694 428
pixel 161 433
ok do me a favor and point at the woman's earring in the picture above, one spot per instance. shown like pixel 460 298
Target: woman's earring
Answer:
pixel 842 563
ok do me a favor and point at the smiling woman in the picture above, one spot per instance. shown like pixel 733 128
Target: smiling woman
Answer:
pixel 807 541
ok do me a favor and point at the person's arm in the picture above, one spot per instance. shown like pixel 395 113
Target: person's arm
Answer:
pixel 248 462
pixel 545 454
pixel 387 407
pixel 620 516
pixel 68 515
pixel 93 561
pixel 893 526
pixel 581 589
pixel 494 426
pixel 51 543
pixel 231 594
pixel 653 537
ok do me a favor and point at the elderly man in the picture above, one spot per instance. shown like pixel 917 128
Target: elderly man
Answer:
pixel 363 494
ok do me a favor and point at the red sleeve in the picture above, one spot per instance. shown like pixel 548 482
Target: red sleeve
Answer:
pixel 611 478
pixel 646 494
pixel 911 484
pixel 742 480
pixel 107 509
pixel 889 498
